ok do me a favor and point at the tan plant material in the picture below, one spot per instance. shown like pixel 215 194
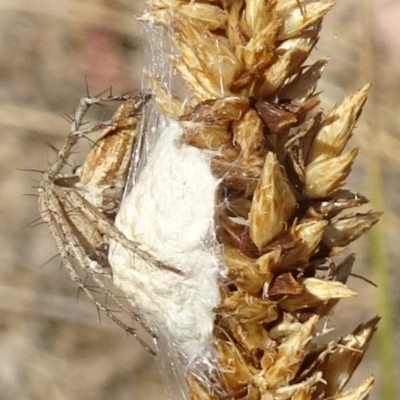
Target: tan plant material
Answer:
pixel 280 216
pixel 281 213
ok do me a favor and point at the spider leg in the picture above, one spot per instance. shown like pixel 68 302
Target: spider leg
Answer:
pixel 112 232
pixel 82 230
pixel 74 257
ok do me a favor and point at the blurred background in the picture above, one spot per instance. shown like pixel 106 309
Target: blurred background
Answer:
pixel 52 344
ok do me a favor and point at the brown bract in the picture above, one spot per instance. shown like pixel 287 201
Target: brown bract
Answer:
pixel 280 221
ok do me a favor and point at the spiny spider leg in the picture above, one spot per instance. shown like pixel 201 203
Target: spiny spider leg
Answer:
pixel 107 228
pixel 79 209
pixel 72 251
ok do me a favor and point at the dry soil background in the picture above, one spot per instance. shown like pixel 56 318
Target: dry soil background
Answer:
pixel 52 346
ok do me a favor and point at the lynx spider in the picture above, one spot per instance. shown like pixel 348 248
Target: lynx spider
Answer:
pixel 80 214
